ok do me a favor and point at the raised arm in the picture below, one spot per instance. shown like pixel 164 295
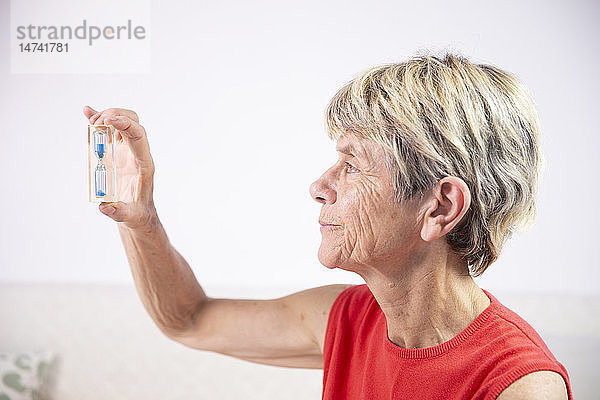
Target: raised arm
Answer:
pixel 164 281
pixel 288 331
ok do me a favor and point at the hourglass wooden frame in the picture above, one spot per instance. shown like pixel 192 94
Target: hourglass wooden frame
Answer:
pixel 102 171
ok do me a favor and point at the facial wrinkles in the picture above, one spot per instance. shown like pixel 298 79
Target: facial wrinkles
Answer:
pixel 365 229
pixel 364 198
pixel 363 235
pixel 377 216
pixel 350 233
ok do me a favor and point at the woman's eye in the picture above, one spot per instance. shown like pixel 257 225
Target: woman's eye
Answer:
pixel 350 167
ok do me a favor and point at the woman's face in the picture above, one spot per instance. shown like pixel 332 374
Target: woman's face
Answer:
pixel 357 196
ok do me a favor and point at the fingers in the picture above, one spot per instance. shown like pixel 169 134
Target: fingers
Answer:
pixel 141 211
pixel 135 136
pixel 98 116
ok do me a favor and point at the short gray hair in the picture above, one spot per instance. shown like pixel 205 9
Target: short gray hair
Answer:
pixel 445 116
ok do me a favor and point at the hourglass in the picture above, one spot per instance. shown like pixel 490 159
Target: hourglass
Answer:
pixel 101 163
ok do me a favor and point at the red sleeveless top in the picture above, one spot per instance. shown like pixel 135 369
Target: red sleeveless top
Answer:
pixel 360 362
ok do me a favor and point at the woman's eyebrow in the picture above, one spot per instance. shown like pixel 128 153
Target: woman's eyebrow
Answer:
pixel 347 149
pixel 351 151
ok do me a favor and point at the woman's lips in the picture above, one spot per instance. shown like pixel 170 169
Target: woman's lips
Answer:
pixel 325 223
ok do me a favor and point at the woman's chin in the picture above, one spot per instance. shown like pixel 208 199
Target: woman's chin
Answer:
pixel 330 261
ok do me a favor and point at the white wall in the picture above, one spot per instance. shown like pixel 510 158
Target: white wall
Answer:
pixel 234 108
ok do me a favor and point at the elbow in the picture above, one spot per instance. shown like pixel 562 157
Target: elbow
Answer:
pixel 178 327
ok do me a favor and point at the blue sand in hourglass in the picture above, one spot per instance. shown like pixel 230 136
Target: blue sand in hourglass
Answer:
pixel 100 150
pixel 100 143
pixel 100 180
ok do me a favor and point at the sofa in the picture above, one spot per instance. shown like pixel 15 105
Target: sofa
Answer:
pixel 89 341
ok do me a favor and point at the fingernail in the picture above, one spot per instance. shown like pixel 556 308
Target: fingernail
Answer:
pixel 111 118
pixel 108 210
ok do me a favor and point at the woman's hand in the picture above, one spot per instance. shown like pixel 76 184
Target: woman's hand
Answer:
pixel 135 168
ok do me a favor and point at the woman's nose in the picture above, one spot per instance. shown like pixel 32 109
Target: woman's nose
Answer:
pixel 322 190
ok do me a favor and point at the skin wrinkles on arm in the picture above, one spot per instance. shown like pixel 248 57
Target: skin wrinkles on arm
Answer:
pixel 164 281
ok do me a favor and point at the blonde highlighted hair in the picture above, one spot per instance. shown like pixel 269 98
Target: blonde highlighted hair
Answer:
pixel 445 116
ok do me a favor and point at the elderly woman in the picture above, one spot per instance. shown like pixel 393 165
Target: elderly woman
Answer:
pixel 439 162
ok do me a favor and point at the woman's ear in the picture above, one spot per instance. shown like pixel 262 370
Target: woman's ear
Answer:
pixel 448 202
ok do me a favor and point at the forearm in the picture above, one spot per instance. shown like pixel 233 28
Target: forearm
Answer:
pixel 164 280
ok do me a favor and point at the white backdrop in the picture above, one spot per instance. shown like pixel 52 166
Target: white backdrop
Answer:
pixel 234 110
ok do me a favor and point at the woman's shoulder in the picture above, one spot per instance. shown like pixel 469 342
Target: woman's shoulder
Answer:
pixel 510 329
pixel 512 348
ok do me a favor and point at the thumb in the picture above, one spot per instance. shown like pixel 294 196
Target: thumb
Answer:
pixel 117 210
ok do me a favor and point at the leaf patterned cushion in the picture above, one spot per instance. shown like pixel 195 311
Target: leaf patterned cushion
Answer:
pixel 24 375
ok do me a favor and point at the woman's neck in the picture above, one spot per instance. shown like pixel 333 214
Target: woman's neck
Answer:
pixel 429 305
